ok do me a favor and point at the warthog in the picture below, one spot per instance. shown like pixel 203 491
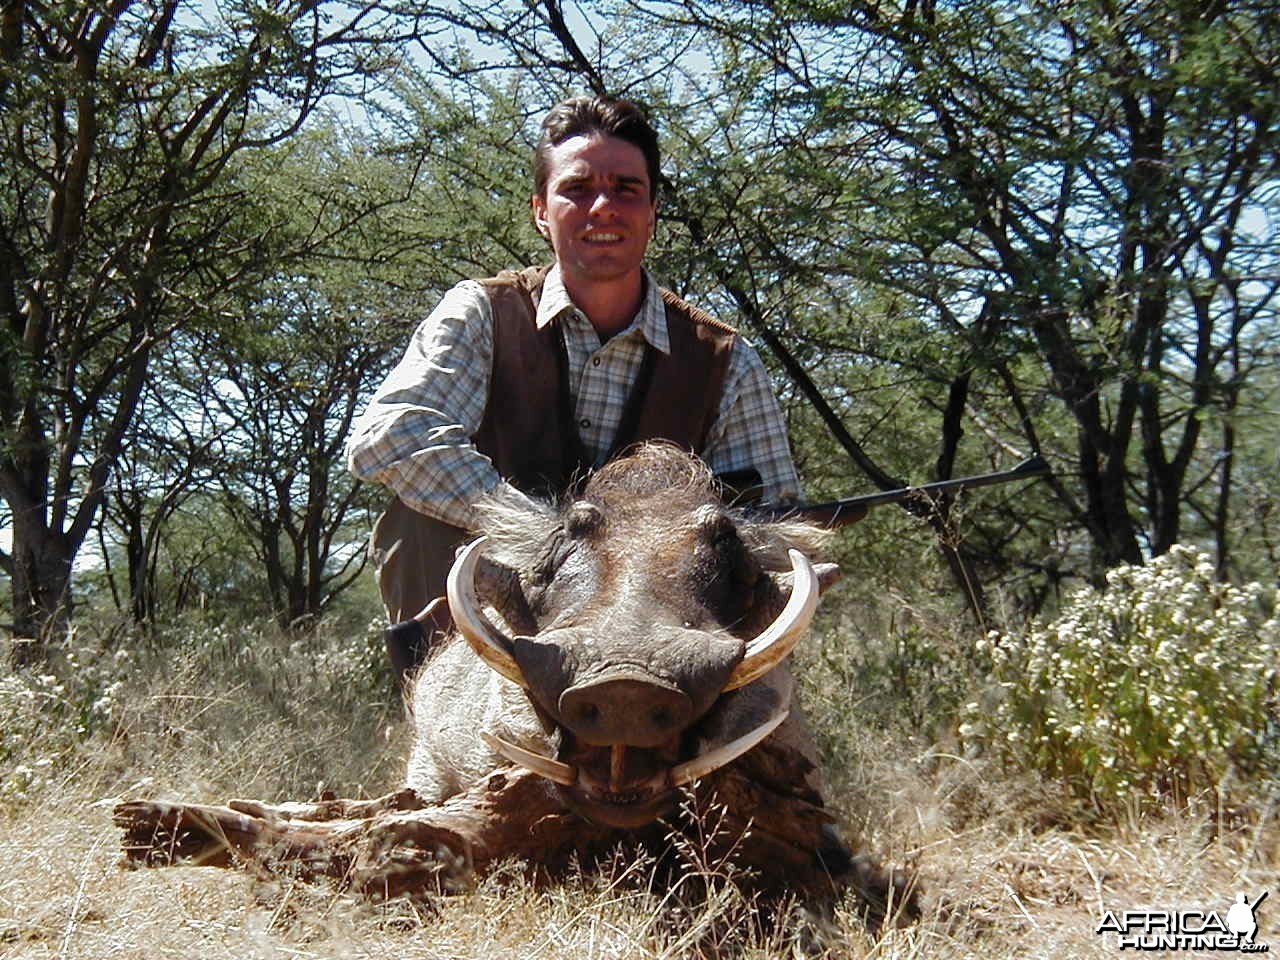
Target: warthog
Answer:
pixel 632 641
pixel 641 643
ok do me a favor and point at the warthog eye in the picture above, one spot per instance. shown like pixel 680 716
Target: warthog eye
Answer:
pixel 730 573
pixel 583 519
pixel 713 522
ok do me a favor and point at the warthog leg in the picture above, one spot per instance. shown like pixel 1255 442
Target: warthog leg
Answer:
pixel 396 844
pixel 383 847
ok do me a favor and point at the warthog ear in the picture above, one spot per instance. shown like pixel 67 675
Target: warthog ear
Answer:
pixel 772 592
pixel 499 586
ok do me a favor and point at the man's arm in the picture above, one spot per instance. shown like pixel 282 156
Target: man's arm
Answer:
pixel 416 434
pixel 749 431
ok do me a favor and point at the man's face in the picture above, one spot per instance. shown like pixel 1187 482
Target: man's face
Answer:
pixel 598 210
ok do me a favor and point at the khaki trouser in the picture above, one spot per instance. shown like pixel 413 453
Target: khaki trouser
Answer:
pixel 412 554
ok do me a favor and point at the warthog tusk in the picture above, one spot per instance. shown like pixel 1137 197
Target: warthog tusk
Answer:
pixel 677 776
pixel 490 644
pixel 617 766
pixel 713 760
pixel 553 770
pixel 779 638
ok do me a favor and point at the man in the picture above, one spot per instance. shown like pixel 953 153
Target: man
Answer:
pixel 526 379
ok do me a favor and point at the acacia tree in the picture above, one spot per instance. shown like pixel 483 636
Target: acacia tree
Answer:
pixel 169 458
pixel 289 398
pixel 372 226
pixel 117 125
pixel 248 409
pixel 1061 209
pixel 1034 215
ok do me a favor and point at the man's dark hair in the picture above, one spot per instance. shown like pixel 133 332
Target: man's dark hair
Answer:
pixel 582 116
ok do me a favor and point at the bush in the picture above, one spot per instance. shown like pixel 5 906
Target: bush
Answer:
pixel 1158 687
pixel 47 720
pixel 248 706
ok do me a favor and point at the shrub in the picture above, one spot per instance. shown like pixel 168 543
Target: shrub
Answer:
pixel 236 697
pixel 1156 687
pixel 46 719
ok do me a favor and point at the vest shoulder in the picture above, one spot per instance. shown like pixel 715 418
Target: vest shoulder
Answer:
pixel 695 315
pixel 527 279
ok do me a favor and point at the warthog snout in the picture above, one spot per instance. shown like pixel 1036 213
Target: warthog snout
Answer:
pixel 633 710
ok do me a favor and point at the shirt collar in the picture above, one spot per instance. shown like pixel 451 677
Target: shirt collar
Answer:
pixel 651 320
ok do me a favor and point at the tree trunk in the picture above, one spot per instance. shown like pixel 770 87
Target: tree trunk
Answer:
pixel 41 587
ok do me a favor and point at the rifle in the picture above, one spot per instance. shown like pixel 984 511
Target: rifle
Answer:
pixel 837 513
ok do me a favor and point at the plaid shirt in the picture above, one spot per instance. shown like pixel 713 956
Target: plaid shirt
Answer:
pixel 415 435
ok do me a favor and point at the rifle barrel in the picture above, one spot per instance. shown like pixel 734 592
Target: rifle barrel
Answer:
pixel 850 509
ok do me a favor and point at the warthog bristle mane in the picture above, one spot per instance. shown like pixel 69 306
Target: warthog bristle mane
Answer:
pixel 769 540
pixel 516 525
pixel 655 480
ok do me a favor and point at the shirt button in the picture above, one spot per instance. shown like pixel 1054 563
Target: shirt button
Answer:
pixel 595 362
pixel 584 423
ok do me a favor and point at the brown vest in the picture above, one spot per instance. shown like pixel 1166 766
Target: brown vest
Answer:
pixel 528 429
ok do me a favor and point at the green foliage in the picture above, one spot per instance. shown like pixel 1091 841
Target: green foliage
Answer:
pixel 1162 685
pixel 243 424
pixel 122 223
pixel 979 229
pixel 901 678
pixel 1008 204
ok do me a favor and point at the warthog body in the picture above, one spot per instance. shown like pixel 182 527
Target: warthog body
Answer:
pixel 624 613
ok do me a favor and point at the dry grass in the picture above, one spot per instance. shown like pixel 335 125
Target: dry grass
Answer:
pixel 1005 871
pixel 991 893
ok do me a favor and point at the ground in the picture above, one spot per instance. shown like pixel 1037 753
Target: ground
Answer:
pixel 992 891
pixel 1010 867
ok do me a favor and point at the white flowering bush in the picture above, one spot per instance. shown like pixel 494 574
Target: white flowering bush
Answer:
pixel 108 697
pixel 26 759
pixel 46 718
pixel 1156 686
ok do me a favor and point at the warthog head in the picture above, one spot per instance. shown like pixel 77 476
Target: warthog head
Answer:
pixel 633 612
